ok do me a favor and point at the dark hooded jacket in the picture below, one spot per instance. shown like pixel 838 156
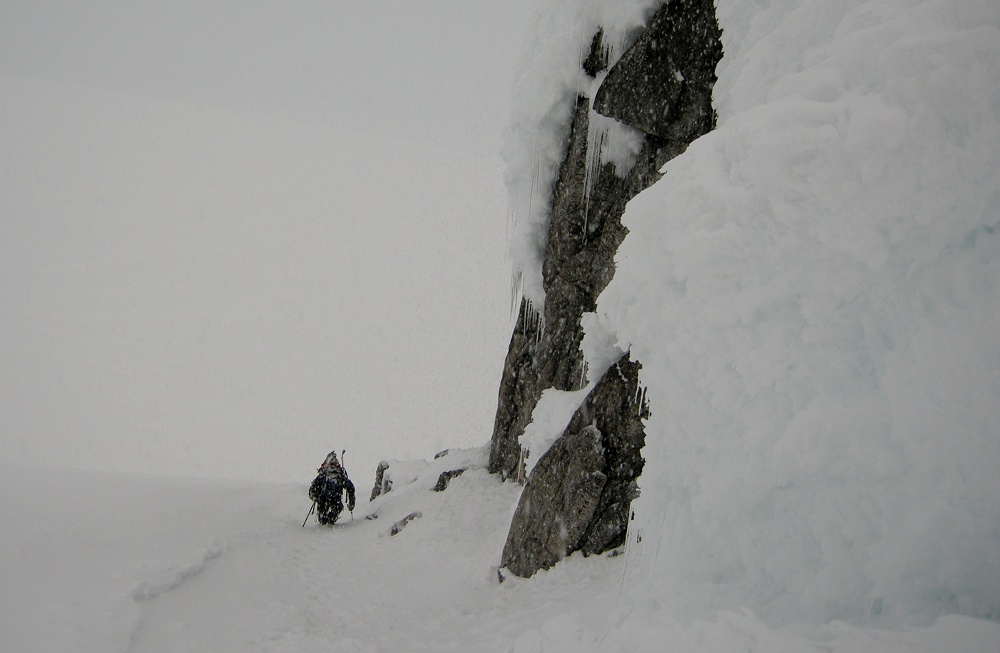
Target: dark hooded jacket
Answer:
pixel 327 490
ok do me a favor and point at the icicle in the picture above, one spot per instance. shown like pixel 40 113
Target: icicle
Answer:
pixel 518 293
pixel 609 141
pixel 623 44
pixel 597 139
pixel 642 402
pixel 531 319
pixel 513 293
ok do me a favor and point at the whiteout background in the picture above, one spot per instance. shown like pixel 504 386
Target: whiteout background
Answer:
pixel 236 236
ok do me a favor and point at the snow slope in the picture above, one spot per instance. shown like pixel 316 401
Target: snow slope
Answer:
pixel 814 292
pixel 100 563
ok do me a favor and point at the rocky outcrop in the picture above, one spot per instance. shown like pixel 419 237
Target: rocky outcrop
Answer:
pixel 382 482
pixel 401 524
pixel 662 86
pixel 445 478
pixel 679 50
pixel 556 506
pixel 577 497
pixel 616 407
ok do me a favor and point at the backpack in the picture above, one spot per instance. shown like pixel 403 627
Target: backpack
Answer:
pixel 327 487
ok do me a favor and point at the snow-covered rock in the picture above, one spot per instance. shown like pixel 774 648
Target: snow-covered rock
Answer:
pixel 812 289
pixel 632 118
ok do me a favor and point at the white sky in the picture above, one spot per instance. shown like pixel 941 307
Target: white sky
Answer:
pixel 435 70
pixel 234 236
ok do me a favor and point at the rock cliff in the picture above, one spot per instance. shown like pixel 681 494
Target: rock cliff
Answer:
pixel 578 494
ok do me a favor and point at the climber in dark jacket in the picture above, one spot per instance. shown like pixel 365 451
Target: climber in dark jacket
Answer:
pixel 327 488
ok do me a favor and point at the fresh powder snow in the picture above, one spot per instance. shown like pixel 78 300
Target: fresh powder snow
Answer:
pixel 96 562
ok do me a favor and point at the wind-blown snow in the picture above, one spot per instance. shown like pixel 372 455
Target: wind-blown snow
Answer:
pixel 101 563
pixel 812 290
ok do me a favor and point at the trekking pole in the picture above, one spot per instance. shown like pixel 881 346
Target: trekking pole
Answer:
pixel 342 452
pixel 309 514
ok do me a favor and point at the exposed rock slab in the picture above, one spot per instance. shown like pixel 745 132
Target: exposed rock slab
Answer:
pixel 445 478
pixel 617 405
pixel 557 504
pixel 578 496
pixel 663 83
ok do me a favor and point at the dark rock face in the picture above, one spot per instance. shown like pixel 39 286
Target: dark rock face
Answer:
pixel 597 60
pixel 679 50
pixel 539 358
pixel 617 406
pixel 520 389
pixel 661 86
pixel 578 495
pixel 668 74
pixel 557 503
pixel 445 478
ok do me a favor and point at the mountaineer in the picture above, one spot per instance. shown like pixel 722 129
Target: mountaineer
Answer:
pixel 327 489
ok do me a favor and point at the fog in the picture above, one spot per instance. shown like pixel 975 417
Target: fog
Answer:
pixel 234 237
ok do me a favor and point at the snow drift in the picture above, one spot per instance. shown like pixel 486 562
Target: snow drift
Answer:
pixel 812 290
